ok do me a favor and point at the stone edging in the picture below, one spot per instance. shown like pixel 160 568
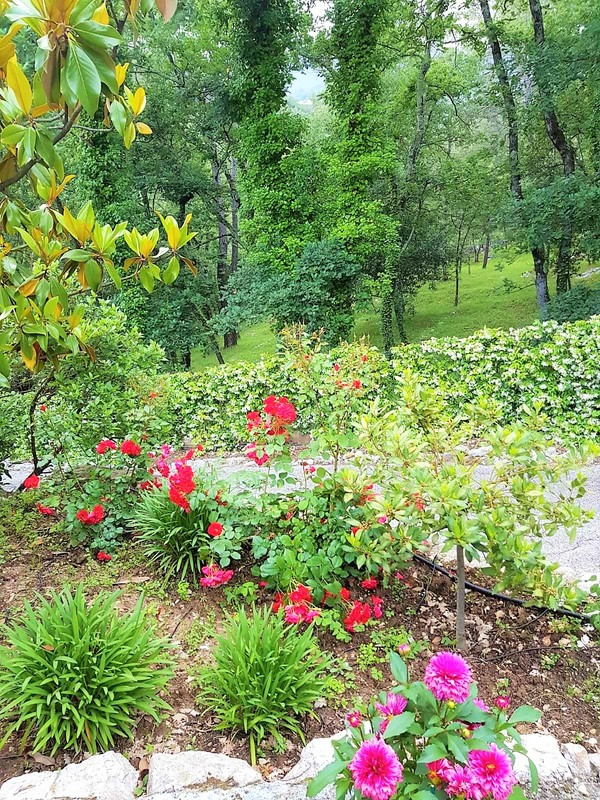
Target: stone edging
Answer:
pixel 565 772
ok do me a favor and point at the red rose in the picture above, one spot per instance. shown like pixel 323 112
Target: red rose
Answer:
pixel 345 594
pixel 92 517
pixel 102 556
pixel 43 407
pixel 215 529
pixel 356 384
pixel 369 583
pixel 130 448
pixel 32 482
pixel 49 512
pixel 104 445
pixel 301 594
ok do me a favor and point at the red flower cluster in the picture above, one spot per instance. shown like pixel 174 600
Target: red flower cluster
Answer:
pixel 419 502
pixel 369 583
pixel 49 512
pixel 181 483
pixel 361 613
pixel 214 576
pixel 92 517
pixel 297 610
pixel 31 482
pixel 130 448
pixel 214 529
pixel 102 556
pixel 43 407
pixel 279 413
pixel 104 445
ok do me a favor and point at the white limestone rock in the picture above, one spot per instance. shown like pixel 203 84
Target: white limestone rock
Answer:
pixel 191 769
pixel 544 751
pixel 108 776
pixel 578 760
pixel 316 755
pixel 31 786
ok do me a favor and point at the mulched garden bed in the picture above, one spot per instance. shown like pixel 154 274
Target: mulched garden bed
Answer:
pixel 532 656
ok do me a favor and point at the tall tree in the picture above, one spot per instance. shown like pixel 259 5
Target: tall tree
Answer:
pixel 538 250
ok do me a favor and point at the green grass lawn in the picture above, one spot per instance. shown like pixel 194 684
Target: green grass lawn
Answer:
pixel 482 303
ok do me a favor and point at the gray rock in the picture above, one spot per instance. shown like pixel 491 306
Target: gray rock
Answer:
pixel 544 751
pixel 578 760
pixel 198 770
pixel 316 755
pixel 103 777
pixel 32 786
pixel 595 764
pixel 276 790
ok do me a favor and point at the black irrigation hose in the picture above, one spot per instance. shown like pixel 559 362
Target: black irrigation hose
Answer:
pixel 560 612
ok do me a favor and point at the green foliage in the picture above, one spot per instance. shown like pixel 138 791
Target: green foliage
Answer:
pixel 427 730
pixel 580 302
pixel 549 365
pixel 177 541
pixel 265 676
pixel 76 676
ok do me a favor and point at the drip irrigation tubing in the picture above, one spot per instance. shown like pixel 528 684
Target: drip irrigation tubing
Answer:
pixel 561 612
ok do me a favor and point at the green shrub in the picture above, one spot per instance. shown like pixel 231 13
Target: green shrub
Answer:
pixel 581 302
pixel 264 677
pixel 177 541
pixel 75 676
pixel 546 363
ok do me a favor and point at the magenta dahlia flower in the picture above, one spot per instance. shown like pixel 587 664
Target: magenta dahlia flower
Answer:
pixel 493 770
pixel 376 770
pixel 462 782
pixel 480 704
pixel 448 677
pixel 393 706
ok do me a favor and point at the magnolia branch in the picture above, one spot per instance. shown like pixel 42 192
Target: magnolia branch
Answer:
pixel 33 161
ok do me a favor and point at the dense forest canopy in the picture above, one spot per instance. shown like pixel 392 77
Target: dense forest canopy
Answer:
pixel 443 129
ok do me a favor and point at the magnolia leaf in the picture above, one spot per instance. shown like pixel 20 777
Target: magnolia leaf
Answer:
pixel 100 36
pixel 114 275
pixel 129 135
pixel 16 80
pixel 171 271
pixel 106 70
pixel 82 78
pixel 118 117
pixel 4 366
pixel 146 279
pixel 93 274
pixel 167 8
pixel 12 134
pixel 83 10
pixel 28 288
pixel 144 129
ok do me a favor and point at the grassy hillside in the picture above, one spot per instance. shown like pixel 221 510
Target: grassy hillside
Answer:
pixel 483 302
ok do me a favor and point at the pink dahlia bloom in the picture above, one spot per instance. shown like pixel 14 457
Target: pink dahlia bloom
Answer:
pixel 393 706
pixel 493 770
pixel 502 702
pixel 438 770
pixel 448 677
pixel 354 719
pixel 462 782
pixel 376 770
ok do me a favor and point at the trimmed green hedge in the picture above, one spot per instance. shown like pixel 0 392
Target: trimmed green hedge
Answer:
pixel 555 365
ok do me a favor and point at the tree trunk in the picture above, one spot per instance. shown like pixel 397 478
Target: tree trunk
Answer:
pixel 510 109
pixel 229 338
pixel 486 250
pixel 461 637
pixel 387 323
pixel 183 201
pixel 399 311
pixel 560 143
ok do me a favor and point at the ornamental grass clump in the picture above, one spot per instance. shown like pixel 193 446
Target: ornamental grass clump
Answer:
pixel 76 676
pixel 265 676
pixel 430 739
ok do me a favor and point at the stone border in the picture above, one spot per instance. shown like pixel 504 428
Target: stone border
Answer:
pixel 566 773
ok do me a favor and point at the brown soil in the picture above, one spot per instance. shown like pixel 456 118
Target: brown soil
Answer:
pixel 532 656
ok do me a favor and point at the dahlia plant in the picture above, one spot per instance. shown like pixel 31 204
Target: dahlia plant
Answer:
pixel 434 738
